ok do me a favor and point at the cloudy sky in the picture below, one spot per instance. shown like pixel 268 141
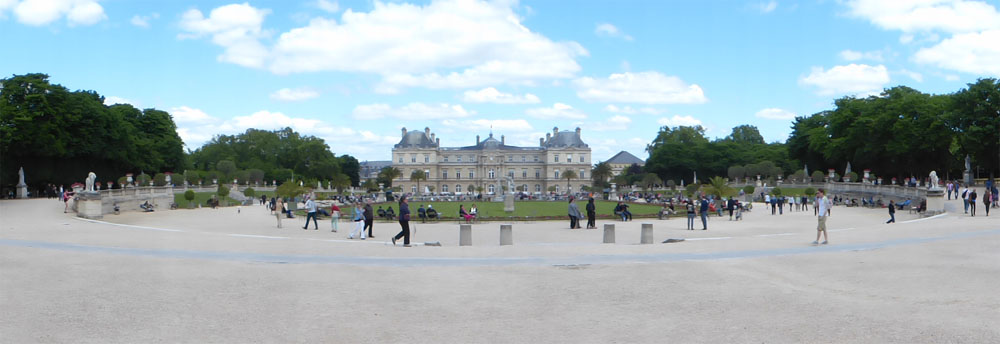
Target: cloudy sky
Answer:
pixel 354 72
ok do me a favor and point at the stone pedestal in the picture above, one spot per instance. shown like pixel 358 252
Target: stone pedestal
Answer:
pixel 88 205
pixel 647 233
pixel 464 235
pixel 968 179
pixel 506 235
pixel 22 191
pixel 508 203
pixel 609 233
pixel 935 202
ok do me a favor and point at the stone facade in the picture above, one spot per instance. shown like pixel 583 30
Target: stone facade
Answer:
pixel 456 170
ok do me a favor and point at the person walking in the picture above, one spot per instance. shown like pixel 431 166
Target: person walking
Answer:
pixel 823 211
pixel 311 209
pixel 574 214
pixel 591 214
pixel 704 213
pixel 369 220
pixel 359 221
pixel 690 214
pixel 892 212
pixel 965 198
pixel 404 222
pixel 987 199
pixel 972 201
pixel 279 205
pixel 334 216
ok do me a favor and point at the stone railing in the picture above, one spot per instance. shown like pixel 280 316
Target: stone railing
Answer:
pixel 866 190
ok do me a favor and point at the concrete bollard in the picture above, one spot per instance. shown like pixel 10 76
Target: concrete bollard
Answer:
pixel 506 235
pixel 647 233
pixel 609 233
pixel 465 235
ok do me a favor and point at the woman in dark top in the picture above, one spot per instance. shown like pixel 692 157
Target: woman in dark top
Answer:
pixel 404 222
pixel 591 213
pixel 892 212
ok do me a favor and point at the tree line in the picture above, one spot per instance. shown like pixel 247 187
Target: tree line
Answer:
pixel 59 135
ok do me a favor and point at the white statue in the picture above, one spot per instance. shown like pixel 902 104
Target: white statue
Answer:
pixel 20 177
pixel 934 180
pixel 91 178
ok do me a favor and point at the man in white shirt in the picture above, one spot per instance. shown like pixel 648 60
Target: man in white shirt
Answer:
pixel 823 212
pixel 965 198
pixel 311 208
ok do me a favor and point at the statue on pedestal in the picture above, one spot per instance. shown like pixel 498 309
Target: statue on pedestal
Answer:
pixel 934 181
pixel 91 178
pixel 22 187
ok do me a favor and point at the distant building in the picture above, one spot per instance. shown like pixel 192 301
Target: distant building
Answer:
pixel 457 170
pixel 621 161
pixel 370 169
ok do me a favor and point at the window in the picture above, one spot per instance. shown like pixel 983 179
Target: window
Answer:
pixel 413 189
pixel 524 187
pixel 510 158
pixel 491 189
pixel 557 174
pixel 444 175
pixel 569 157
pixel 524 158
pixel 472 174
pixel 557 188
pixel 524 174
pixel 538 173
pixel 458 188
pixel 472 158
pixel 444 188
pixel 557 158
pixel 510 173
pixel 538 188
pixel 427 173
pixel 458 158
pixel 446 158
pixel 536 159
pixel 470 188
pixel 413 158
pixel 400 158
pixel 427 158
pixel 582 176
pixel 458 174
pixel 582 158
pixel 492 175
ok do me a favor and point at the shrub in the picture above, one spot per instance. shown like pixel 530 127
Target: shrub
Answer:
pixel 222 191
pixel 160 179
pixel 189 196
pixel 776 191
pixel 143 179
pixel 122 181
pixel 749 189
pixel 817 176
pixel 249 192
pixel 810 192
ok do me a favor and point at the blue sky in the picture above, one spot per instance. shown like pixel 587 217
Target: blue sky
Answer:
pixel 355 72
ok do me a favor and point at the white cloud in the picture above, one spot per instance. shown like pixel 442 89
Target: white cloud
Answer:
pixel 412 111
pixel 188 115
pixel 112 100
pixel 445 44
pixel 628 110
pixel 615 123
pixel 767 7
pixel 775 113
pixel 912 75
pixel 974 53
pixel 557 111
pixel 851 55
pixel 294 95
pixel 608 30
pixel 508 125
pixel 953 16
pixel 852 79
pixel 143 21
pixel 492 95
pixel 678 120
pixel 951 77
pixel 235 27
pixel 643 87
pixel 43 12
pixel 328 6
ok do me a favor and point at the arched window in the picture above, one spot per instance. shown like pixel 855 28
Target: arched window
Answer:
pixel 444 188
pixel 413 189
pixel 491 189
pixel 458 188
pixel 492 175
pixel 524 187
pixel 557 188
pixel 538 187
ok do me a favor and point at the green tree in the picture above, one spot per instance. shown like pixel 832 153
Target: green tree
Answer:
pixel 341 181
pixel 601 174
pixel 189 196
pixel 717 186
pixel 776 191
pixel 160 179
pixel 818 176
pixel 222 191
pixel 227 168
pixel 745 134
pixel 249 192
pixel 289 190
pixel 975 118
pixel 691 190
pixel 143 179
pixel 387 174
pixel 649 180
pixel 417 176
pixel 736 173
pixel 568 175
pixel 370 185
pixel 749 189
pixel 809 192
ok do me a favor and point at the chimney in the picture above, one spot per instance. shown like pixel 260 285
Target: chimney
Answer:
pixel 541 142
pixel 404 131
pixel 477 139
pixel 439 142
pixel 501 139
pixel 577 131
pixel 555 130
pixel 432 134
pixel 427 131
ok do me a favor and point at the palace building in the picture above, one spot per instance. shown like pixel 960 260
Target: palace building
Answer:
pixel 489 163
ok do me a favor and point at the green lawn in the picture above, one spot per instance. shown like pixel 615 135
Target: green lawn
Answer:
pixel 202 197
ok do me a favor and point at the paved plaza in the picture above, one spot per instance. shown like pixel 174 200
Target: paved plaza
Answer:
pixel 218 275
